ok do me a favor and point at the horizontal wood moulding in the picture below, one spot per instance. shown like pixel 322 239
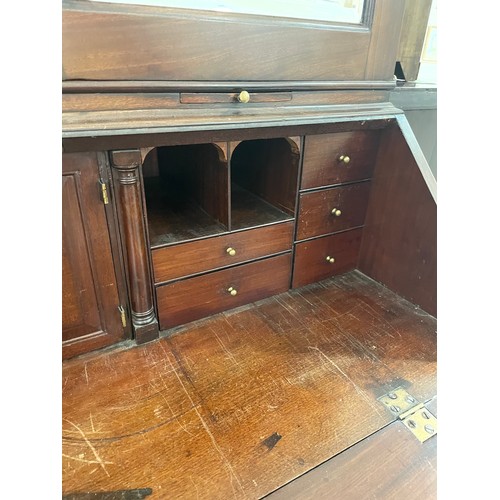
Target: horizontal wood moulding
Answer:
pixel 199 133
pixel 78 124
pixel 163 100
pixel 117 87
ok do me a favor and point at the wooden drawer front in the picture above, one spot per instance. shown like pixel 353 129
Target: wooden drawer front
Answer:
pixel 201 296
pixel 205 255
pixel 322 166
pixel 311 263
pixel 315 212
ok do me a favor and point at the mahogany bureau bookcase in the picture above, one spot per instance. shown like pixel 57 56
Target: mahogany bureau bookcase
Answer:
pixel 213 159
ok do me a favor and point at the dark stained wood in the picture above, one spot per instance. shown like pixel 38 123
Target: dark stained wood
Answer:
pixel 119 129
pixel 200 412
pixel 249 210
pixel 195 298
pixel 268 168
pixel 315 210
pixel 387 465
pixel 189 45
pixel 117 86
pixel 200 172
pixel 172 217
pixel 130 208
pixel 90 300
pixel 213 98
pixel 208 254
pixel 399 238
pixel 136 494
pixel 189 198
pixel 322 166
pixel 387 19
pixel 102 102
pixel 310 262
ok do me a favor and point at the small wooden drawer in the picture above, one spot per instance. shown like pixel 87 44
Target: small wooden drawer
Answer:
pixel 213 253
pixel 332 210
pixel 313 259
pixel 194 298
pixel 325 158
pixel 233 97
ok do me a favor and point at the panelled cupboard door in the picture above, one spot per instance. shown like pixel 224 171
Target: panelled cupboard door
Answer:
pixel 90 301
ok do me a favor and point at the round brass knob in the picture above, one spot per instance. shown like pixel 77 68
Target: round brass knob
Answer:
pixel 231 251
pixel 232 291
pixel 243 96
pixel 336 212
pixel 345 159
pixel 331 260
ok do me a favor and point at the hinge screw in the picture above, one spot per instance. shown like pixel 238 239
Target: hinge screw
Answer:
pixel 429 429
pixel 395 408
pixel 425 415
pixel 392 395
pixel 412 424
pixel 410 399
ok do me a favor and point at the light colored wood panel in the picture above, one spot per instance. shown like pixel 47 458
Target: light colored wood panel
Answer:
pixel 241 403
pixel 388 465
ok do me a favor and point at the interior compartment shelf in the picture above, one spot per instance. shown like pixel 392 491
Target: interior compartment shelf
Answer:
pixel 173 217
pixel 186 193
pixel 249 210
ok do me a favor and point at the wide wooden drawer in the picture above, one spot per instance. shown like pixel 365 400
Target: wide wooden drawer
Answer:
pixel 205 255
pixel 195 298
pixel 332 210
pixel 323 165
pixel 321 258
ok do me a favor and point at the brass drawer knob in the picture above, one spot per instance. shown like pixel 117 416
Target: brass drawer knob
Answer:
pixel 331 260
pixel 243 96
pixel 336 212
pixel 232 291
pixel 231 251
pixel 344 158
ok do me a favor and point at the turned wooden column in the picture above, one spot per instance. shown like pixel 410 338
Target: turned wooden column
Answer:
pixel 126 166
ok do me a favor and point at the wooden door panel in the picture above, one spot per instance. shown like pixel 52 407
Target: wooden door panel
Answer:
pixel 90 300
pixel 80 308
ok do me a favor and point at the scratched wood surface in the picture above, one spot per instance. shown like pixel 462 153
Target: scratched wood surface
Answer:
pixel 388 465
pixel 242 403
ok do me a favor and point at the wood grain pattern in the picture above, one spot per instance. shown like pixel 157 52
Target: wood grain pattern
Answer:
pixel 315 210
pixel 321 164
pixel 381 57
pixel 188 45
pixel 102 102
pixel 310 262
pixel 387 465
pixel 202 413
pixel 125 129
pixel 200 172
pixel 90 300
pixel 217 97
pixel 268 168
pixel 189 198
pixel 414 26
pixel 208 254
pixel 399 239
pixel 131 212
pixel 201 296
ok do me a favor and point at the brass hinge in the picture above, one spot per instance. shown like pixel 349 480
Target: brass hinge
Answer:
pixel 414 415
pixel 123 316
pixel 104 192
